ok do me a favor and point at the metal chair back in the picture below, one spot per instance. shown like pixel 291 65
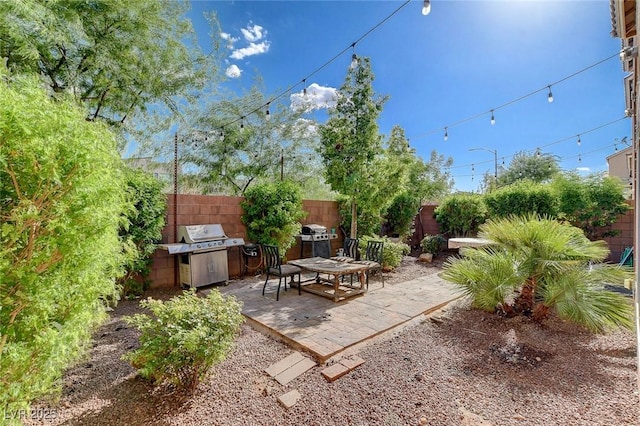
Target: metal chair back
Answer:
pixel 351 248
pixel 374 251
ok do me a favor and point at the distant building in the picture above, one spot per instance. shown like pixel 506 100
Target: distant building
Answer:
pixel 624 19
pixel 621 165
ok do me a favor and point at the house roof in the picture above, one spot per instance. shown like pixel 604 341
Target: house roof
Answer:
pixel 623 18
pixel 628 150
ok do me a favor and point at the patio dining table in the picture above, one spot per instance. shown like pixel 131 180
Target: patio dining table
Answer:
pixel 331 287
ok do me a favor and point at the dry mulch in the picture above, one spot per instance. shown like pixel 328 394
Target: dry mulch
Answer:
pixel 462 367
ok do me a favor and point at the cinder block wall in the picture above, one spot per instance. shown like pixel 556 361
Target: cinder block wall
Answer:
pixel 225 210
pixel 617 244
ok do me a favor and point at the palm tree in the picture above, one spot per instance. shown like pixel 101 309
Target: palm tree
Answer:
pixel 535 265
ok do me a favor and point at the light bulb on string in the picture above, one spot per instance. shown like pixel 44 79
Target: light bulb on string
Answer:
pixel 354 57
pixel 426 7
pixel 579 158
pixel 304 91
pixel 579 141
pixel 493 118
pixel 268 113
pixel 550 97
pixel 473 171
pixel 446 134
pixel 503 161
pixel 242 122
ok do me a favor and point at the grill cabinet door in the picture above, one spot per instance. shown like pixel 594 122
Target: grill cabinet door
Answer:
pixel 208 268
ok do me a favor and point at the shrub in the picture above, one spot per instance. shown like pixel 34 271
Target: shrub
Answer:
pixel 61 203
pixel 185 337
pixel 401 213
pixel 391 253
pixel 459 215
pixel 521 198
pixel 142 228
pixel 433 244
pixel 593 204
pixel 272 213
pixel 535 266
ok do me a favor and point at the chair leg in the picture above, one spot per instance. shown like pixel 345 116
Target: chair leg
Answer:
pixel 279 282
pixel 299 283
pixel 265 283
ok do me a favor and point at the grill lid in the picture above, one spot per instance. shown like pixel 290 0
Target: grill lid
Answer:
pixel 312 229
pixel 198 233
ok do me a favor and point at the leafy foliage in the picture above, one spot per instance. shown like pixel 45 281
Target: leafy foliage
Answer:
pixel 272 213
pixel 521 198
pixel 401 212
pixel 592 204
pixel 61 203
pixel 143 227
pixel 460 215
pixel 266 148
pixel 351 147
pixel 392 252
pixel 537 265
pixel 368 221
pixel 538 167
pixel 433 244
pixel 113 58
pixel 184 337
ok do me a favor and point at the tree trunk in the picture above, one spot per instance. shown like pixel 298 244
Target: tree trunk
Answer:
pixel 354 219
pixel 524 302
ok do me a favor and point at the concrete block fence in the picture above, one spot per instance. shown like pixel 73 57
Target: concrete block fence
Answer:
pixel 226 210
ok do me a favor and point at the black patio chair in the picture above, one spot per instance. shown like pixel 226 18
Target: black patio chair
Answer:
pixel 350 251
pixel 373 259
pixel 273 266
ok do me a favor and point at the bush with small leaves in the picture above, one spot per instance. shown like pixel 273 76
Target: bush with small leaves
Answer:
pixel 185 337
pixel 433 244
pixel 391 253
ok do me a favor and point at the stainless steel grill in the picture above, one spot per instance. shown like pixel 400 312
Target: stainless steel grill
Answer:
pixel 318 237
pixel 203 254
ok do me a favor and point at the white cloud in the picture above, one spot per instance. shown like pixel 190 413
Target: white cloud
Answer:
pixel 583 169
pixel 233 71
pixel 252 49
pixel 317 97
pixel 230 40
pixel 253 32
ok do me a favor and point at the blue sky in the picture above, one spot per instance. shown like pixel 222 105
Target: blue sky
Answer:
pixel 441 70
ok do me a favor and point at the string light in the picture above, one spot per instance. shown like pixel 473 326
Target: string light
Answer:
pixel 268 114
pixel 426 7
pixel 550 97
pixel 242 122
pixel 493 119
pixel 579 140
pixel 579 158
pixel 354 57
pixel 568 138
pixel 304 91
pixel 446 134
pixel 525 96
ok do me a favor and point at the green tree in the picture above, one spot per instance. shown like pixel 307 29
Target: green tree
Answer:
pixel 142 228
pixel 537 265
pixel 229 158
pixel 62 200
pixel 591 203
pixel 273 211
pixel 351 146
pixel 522 198
pixel 459 215
pixel 115 58
pixel 537 167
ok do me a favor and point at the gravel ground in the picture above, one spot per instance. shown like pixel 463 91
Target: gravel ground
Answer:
pixel 463 367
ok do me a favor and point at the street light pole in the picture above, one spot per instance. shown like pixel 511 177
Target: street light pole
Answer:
pixel 495 159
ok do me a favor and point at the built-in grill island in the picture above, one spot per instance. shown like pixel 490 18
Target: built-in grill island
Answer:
pixel 202 251
pixel 318 238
